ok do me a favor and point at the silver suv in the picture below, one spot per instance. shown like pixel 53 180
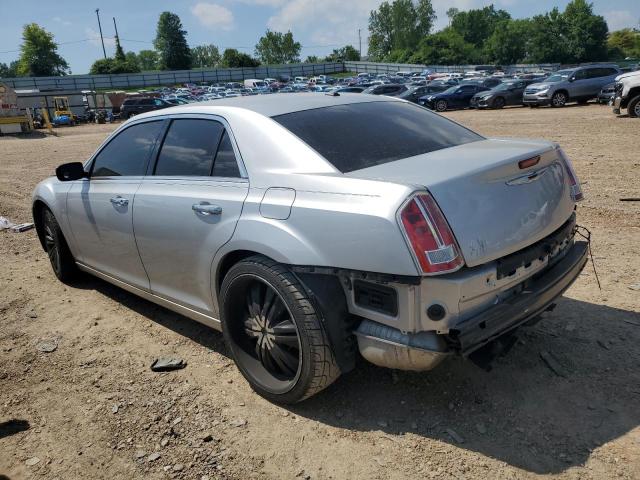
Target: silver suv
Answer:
pixel 572 85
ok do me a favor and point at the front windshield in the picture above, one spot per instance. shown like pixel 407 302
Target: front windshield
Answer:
pixel 558 76
pixel 450 90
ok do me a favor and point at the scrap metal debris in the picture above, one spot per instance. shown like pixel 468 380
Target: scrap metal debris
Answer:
pixel 167 364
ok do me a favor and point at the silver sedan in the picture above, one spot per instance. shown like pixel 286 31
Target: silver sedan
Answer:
pixel 309 227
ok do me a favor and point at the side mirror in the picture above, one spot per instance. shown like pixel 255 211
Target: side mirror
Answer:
pixel 68 172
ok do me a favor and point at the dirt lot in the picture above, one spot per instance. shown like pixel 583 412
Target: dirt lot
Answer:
pixel 93 409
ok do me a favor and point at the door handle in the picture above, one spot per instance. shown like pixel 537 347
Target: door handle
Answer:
pixel 119 201
pixel 206 209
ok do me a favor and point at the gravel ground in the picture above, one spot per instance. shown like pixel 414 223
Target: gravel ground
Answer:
pixel 91 408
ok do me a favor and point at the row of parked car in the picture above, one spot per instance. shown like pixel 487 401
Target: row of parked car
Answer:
pixel 476 89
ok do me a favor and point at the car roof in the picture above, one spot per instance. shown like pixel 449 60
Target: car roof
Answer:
pixel 273 105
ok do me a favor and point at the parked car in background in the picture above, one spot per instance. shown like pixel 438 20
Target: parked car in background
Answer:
pixel 627 94
pixel 458 96
pixel 506 93
pixel 138 105
pixel 579 84
pixel 415 93
pixel 348 89
pixel 222 212
pixel 389 89
pixel 607 93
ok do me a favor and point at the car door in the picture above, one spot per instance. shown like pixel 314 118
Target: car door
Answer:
pixel 464 94
pixel 100 207
pixel 515 93
pixel 187 207
pixel 580 84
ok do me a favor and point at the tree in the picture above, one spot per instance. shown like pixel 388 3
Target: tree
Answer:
pixel 625 43
pixel 132 59
pixel 9 71
pixel 347 53
pixel 119 51
pixel 508 42
pixel 148 60
pixel 205 56
pixel 451 13
pixel 39 54
pixel 586 33
pixel 276 48
pixel 171 43
pixel 312 59
pixel 231 58
pixel 477 25
pixel 111 66
pixel 398 27
pixel 547 39
pixel 446 47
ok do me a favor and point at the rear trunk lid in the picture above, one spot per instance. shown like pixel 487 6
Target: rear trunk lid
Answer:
pixel 492 205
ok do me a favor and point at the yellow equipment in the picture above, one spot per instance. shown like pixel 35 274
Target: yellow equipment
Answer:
pixel 61 107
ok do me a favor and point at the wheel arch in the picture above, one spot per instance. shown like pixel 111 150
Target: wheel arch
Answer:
pixel 562 90
pixel 37 210
pixel 326 293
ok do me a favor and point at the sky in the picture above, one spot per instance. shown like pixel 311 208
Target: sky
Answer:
pixel 319 25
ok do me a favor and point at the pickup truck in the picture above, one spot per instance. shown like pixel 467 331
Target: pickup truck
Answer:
pixel 627 94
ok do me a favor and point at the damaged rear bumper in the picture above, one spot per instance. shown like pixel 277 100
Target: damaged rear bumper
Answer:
pixel 389 347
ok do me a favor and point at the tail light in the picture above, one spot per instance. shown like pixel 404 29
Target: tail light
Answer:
pixel 574 185
pixel 429 235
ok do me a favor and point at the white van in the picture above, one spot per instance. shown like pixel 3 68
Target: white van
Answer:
pixel 255 83
pixel 301 80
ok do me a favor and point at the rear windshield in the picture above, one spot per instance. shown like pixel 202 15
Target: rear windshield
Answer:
pixel 361 135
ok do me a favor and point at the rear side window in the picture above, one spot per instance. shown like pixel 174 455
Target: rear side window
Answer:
pixel 189 148
pixel 128 152
pixel 226 164
pixel 361 135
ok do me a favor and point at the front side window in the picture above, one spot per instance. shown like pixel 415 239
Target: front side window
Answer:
pixel 189 148
pixel 127 154
pixel 386 131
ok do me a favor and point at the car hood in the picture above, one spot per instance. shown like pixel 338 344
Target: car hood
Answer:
pixel 541 85
pixel 627 75
pixel 493 207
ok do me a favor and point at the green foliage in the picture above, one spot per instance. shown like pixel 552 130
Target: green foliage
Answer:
pixel 39 54
pixel 446 47
pixel 205 56
pixel 547 38
pixel 9 71
pixel 119 51
pixel 231 58
pixel 586 33
pixel 276 48
pixel 148 60
pixel 624 43
pixel 312 59
pixel 348 53
pixel 399 32
pixel 508 42
pixel 112 66
pixel 476 26
pixel 399 25
pixel 171 43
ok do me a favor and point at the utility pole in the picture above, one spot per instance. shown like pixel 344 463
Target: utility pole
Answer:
pixel 101 38
pixel 116 28
pixel 360 43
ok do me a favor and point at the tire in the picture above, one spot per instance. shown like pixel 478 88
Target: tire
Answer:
pixel 62 261
pixel 499 103
pixel 274 332
pixel 441 105
pixel 559 99
pixel 634 107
